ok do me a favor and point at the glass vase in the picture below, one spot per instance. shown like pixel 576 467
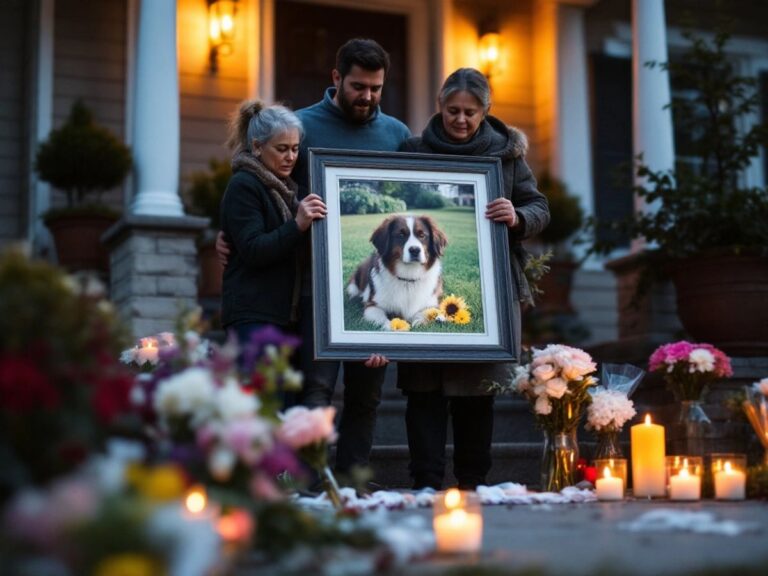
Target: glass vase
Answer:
pixel 691 429
pixel 608 445
pixel 558 464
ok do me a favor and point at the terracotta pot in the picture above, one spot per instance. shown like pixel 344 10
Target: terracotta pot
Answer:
pixel 211 271
pixel 556 285
pixel 722 299
pixel 78 240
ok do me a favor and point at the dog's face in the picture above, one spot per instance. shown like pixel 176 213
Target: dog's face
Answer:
pixel 409 240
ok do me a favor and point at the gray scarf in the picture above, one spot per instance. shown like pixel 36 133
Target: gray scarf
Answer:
pixel 283 192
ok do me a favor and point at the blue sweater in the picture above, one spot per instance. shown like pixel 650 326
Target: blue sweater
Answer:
pixel 326 126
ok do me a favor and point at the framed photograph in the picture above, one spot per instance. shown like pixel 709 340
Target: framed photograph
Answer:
pixel 405 264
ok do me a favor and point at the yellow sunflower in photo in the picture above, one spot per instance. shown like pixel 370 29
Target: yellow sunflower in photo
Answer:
pixel 462 317
pixel 399 325
pixel 433 314
pixel 451 304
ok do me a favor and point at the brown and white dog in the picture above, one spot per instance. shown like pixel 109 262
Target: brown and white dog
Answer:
pixel 403 277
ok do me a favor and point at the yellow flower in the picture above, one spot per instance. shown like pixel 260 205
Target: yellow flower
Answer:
pixel 399 325
pixel 128 564
pixel 431 314
pixel 451 304
pixel 462 317
pixel 160 483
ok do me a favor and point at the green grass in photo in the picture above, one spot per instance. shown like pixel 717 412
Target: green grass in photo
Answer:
pixel 461 266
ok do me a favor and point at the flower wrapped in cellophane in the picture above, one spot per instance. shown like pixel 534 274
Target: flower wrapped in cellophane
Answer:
pixel 756 408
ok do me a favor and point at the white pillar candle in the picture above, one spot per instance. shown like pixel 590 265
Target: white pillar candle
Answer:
pixel 685 486
pixel 648 459
pixel 609 487
pixel 730 484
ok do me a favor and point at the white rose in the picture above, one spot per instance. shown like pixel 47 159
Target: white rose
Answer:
pixel 221 461
pixel 556 387
pixel 701 360
pixel 544 372
pixel 543 406
pixel 232 402
pixel 763 386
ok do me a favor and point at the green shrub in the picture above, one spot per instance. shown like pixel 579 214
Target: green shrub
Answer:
pixel 207 190
pixel 429 200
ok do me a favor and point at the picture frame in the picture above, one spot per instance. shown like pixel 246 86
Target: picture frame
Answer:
pixel 388 310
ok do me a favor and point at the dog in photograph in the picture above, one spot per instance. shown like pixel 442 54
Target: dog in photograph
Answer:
pixel 403 277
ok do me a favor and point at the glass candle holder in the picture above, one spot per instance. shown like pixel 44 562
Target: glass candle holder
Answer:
pixel 611 478
pixel 458 522
pixel 684 475
pixel 729 475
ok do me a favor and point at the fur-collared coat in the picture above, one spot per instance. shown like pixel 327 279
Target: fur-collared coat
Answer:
pixel 493 138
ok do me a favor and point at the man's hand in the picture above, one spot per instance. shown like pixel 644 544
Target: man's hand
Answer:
pixel 376 361
pixel 222 249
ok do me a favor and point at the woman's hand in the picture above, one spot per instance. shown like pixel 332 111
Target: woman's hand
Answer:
pixel 222 249
pixel 376 361
pixel 310 208
pixel 501 210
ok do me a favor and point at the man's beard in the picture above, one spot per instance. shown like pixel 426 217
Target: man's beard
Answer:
pixel 354 114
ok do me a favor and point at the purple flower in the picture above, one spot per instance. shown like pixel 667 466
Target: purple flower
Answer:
pixel 281 459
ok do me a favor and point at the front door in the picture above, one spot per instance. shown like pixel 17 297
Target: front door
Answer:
pixel 307 36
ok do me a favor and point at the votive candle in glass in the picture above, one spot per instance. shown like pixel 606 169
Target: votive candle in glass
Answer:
pixel 729 475
pixel 684 477
pixel 458 522
pixel 609 487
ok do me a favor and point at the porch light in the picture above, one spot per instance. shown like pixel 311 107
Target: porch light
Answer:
pixel 221 29
pixel 489 49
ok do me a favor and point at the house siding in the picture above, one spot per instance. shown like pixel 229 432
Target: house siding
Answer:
pixel 14 58
pixel 90 41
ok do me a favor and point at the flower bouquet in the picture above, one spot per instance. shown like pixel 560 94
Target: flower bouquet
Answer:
pixel 611 407
pixel 556 383
pixel 756 408
pixel 687 369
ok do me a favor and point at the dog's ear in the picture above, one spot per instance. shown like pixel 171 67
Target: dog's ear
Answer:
pixel 380 237
pixel 437 239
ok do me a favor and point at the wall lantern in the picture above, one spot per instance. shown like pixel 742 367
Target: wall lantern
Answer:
pixel 489 49
pixel 221 29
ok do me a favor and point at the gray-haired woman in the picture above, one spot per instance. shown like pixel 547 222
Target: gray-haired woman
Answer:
pixel 263 220
pixel 463 126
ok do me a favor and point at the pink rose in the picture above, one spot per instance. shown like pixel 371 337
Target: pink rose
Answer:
pixel 556 387
pixel 544 372
pixel 302 426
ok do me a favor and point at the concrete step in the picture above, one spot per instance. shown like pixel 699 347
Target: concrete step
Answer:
pixel 512 462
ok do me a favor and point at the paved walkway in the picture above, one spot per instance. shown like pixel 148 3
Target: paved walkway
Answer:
pixel 588 539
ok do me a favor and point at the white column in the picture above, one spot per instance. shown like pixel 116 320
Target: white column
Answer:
pixel 574 143
pixel 651 120
pixel 156 112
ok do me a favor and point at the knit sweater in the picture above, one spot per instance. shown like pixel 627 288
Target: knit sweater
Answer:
pixel 326 126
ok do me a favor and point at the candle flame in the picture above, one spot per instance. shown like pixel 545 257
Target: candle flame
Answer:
pixel 727 467
pixel 457 517
pixel 196 500
pixel 606 472
pixel 452 498
pixel 648 419
pixel 684 473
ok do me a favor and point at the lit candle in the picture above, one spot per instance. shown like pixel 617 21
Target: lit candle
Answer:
pixel 609 487
pixel 457 530
pixel 235 527
pixel 730 484
pixel 685 486
pixel 648 464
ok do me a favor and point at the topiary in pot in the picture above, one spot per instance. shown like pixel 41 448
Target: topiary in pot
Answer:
pixel 82 159
pixel 204 199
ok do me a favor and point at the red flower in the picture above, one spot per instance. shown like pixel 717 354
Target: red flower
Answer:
pixel 23 387
pixel 256 384
pixel 111 396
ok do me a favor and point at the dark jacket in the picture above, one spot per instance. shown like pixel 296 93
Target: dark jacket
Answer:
pixel 494 139
pixel 260 277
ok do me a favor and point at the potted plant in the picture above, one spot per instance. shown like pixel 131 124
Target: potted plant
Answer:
pixel 566 218
pixel 82 159
pixel 203 199
pixel 706 228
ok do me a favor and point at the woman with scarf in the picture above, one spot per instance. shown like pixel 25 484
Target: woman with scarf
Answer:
pixel 464 127
pixel 264 221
